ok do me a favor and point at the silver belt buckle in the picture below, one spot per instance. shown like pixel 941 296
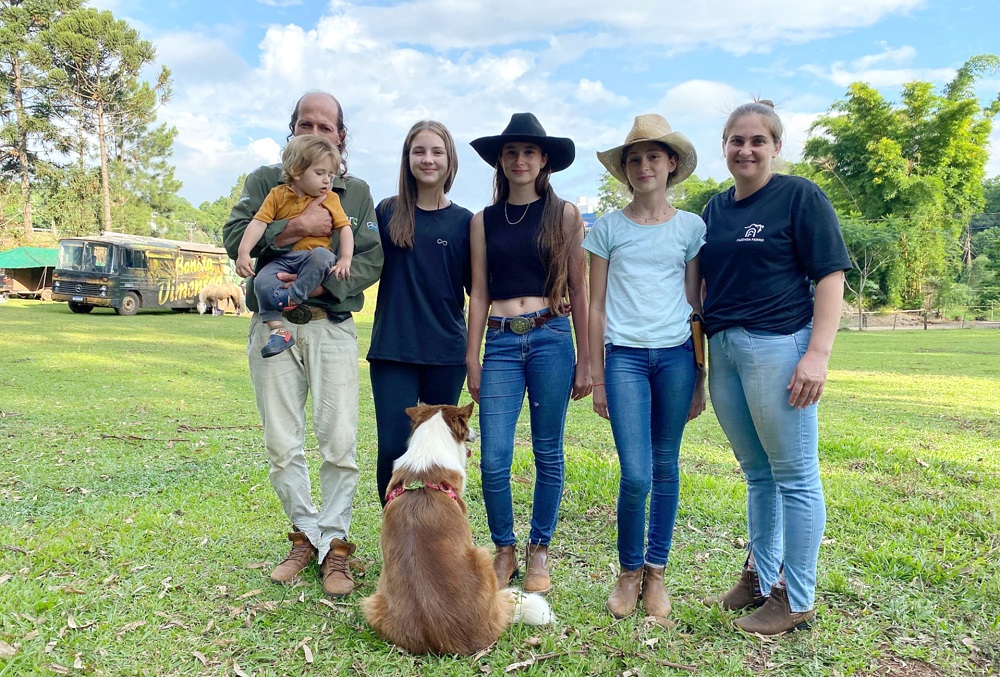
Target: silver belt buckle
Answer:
pixel 520 325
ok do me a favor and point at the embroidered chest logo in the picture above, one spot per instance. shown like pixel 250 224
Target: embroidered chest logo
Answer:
pixel 752 234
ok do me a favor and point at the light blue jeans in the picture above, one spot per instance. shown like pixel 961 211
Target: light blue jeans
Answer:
pixel 541 363
pixel 649 396
pixel 777 447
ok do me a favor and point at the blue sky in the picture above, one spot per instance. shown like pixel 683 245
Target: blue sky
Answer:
pixel 584 67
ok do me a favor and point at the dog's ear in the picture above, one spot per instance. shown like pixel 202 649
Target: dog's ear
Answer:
pixel 466 411
pixel 416 413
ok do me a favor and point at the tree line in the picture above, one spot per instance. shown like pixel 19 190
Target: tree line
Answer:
pixel 908 179
pixel 79 148
pixel 80 152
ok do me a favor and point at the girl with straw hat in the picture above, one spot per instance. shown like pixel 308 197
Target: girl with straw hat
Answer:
pixel 644 284
pixel 526 264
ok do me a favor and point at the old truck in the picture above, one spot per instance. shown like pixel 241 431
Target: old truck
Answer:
pixel 129 272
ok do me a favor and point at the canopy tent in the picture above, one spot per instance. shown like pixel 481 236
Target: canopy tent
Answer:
pixel 29 257
pixel 29 270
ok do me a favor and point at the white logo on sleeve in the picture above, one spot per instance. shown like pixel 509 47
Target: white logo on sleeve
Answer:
pixel 752 233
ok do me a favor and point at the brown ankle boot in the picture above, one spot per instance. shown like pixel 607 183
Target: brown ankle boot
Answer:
pixel 625 594
pixel 536 578
pixel 337 581
pixel 505 565
pixel 301 556
pixel 776 616
pixel 654 593
pixel 745 594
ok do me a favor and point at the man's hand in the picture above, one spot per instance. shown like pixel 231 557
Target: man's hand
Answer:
pixel 314 221
pixel 289 278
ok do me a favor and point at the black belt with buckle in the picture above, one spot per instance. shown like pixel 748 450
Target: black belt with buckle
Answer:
pixel 520 325
pixel 304 314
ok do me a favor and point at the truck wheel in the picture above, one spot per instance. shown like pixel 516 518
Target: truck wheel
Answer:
pixel 130 304
pixel 81 308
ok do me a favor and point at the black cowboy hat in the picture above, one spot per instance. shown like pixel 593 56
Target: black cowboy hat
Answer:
pixel 526 127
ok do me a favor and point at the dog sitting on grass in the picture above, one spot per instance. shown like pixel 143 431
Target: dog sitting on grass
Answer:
pixel 437 592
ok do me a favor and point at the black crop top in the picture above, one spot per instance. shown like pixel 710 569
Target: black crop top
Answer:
pixel 514 265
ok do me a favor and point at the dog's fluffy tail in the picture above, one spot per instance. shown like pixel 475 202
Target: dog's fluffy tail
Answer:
pixel 529 609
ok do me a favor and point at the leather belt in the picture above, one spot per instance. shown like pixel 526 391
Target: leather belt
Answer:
pixel 304 314
pixel 520 324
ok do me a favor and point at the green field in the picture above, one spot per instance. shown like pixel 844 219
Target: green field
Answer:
pixel 137 524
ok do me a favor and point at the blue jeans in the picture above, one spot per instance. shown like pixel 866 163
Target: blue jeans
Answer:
pixel 649 396
pixel 311 265
pixel 541 362
pixel 777 447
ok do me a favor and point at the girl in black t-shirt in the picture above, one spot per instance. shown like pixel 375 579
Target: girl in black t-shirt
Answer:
pixel 418 340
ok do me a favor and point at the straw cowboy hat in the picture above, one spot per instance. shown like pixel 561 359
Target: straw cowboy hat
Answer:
pixel 526 127
pixel 652 127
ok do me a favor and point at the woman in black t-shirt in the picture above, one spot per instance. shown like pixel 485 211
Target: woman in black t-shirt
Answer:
pixel 769 239
pixel 418 340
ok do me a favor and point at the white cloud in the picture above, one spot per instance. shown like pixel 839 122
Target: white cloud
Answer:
pixel 877 69
pixel 471 64
pixel 732 25
pixel 993 165
pixel 196 57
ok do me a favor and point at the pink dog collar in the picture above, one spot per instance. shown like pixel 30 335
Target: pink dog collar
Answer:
pixel 399 489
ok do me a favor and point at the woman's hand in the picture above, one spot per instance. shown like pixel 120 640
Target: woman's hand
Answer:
pixel 808 380
pixel 581 382
pixel 601 401
pixel 474 374
pixel 699 400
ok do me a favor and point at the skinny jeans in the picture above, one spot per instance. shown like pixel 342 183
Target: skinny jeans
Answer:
pixel 649 397
pixel 541 364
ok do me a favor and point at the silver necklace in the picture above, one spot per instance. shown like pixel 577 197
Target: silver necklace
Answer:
pixel 654 217
pixel 514 223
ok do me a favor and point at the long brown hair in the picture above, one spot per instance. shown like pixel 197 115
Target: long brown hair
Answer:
pixel 404 205
pixel 552 238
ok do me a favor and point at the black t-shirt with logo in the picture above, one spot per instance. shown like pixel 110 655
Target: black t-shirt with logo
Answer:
pixel 762 254
pixel 420 312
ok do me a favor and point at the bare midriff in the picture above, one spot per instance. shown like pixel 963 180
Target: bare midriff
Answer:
pixel 518 306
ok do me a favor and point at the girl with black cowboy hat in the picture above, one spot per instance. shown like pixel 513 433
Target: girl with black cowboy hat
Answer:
pixel 644 283
pixel 527 264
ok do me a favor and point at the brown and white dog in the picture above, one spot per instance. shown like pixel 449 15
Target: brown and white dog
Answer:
pixel 437 592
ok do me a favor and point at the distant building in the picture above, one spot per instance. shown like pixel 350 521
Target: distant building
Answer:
pixel 588 210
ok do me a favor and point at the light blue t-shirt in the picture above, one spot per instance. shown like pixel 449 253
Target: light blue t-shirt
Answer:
pixel 646 306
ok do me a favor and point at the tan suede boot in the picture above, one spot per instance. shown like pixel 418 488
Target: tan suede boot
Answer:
pixel 655 599
pixel 776 616
pixel 337 581
pixel 505 565
pixel 745 594
pixel 625 594
pixel 536 579
pixel 301 556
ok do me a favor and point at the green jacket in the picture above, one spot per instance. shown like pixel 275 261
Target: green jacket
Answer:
pixel 355 197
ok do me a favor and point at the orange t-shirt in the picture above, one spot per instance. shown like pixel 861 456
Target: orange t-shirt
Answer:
pixel 284 203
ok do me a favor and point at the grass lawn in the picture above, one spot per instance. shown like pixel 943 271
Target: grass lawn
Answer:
pixel 138 526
